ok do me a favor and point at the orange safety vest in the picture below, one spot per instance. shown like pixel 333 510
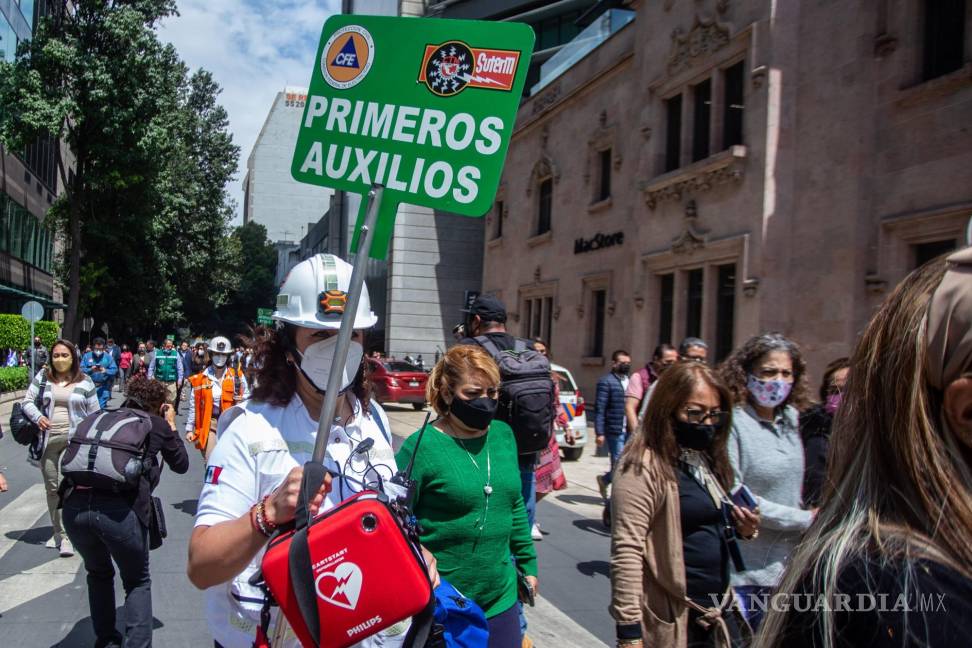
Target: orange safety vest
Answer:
pixel 202 392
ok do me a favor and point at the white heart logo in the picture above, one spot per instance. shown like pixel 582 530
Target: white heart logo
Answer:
pixel 347 586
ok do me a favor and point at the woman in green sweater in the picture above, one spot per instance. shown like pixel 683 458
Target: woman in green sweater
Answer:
pixel 467 491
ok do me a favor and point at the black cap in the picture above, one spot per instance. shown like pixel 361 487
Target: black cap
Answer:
pixel 489 309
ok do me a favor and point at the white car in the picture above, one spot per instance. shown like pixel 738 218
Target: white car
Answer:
pixel 573 404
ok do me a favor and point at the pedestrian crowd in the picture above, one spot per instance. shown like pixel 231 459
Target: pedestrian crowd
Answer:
pixel 733 492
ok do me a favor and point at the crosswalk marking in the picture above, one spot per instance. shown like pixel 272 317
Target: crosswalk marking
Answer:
pixel 17 517
pixel 548 626
pixel 19 587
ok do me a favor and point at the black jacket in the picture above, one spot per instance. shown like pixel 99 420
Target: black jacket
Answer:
pixel 815 424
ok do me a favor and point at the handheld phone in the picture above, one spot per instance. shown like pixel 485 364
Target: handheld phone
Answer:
pixel 743 498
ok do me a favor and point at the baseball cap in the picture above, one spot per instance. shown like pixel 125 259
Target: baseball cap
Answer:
pixel 489 309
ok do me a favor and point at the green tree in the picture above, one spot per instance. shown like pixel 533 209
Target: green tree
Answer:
pixel 256 267
pixel 144 214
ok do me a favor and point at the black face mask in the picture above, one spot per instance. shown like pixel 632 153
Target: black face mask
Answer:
pixel 623 369
pixel 694 436
pixel 474 414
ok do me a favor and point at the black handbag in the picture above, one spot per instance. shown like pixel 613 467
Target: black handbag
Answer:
pixel 157 530
pixel 23 429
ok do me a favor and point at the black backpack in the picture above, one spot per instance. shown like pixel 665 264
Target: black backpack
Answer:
pixel 526 400
pixel 107 451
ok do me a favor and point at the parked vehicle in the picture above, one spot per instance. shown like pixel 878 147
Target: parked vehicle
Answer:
pixel 573 403
pixel 398 382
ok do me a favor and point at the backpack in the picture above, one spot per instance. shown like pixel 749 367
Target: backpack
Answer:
pixel 107 451
pixel 526 400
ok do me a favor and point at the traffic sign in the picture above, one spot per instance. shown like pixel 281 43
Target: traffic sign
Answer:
pixel 264 316
pixel 423 107
pixel 32 311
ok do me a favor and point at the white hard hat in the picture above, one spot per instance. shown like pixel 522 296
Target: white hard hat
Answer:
pixel 315 292
pixel 219 344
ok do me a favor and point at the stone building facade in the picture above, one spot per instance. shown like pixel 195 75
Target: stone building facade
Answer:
pixel 725 167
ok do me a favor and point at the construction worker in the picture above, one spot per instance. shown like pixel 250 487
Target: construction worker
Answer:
pixel 166 367
pixel 214 390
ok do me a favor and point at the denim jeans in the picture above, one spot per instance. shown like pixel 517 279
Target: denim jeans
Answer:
pixel 615 445
pixel 528 488
pixel 103 527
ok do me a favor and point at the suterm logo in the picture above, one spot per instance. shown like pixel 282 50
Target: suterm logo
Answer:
pixel 348 55
pixel 448 68
pixel 342 586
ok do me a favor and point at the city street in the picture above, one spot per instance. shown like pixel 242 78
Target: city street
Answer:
pixel 43 598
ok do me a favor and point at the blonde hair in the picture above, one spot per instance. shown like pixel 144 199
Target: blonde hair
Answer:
pixel 452 369
pixel 888 431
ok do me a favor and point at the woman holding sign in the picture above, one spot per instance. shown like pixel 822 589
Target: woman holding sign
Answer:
pixel 254 474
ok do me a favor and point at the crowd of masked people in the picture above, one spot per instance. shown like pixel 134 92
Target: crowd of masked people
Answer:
pixel 734 493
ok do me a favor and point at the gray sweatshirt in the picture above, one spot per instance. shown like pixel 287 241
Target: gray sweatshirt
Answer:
pixel 768 458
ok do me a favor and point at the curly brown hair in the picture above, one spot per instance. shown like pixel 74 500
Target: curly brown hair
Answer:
pixel 275 374
pixel 148 393
pixel 736 369
pixel 674 389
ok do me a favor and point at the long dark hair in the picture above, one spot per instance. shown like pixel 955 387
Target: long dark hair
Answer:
pixel 74 372
pixel 737 367
pixel 275 374
pixel 674 388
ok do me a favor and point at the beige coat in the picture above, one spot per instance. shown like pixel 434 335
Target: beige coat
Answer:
pixel 647 563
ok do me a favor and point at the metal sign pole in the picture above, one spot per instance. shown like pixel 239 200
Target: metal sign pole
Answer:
pixel 33 354
pixel 347 323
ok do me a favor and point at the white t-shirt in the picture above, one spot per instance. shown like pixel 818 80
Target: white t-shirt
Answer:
pixel 258 445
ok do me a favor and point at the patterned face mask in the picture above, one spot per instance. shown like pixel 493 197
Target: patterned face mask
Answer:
pixel 769 393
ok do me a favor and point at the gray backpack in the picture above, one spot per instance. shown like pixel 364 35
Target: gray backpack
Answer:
pixel 526 400
pixel 107 450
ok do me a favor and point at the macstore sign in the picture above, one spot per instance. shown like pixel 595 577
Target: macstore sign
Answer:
pixel 598 242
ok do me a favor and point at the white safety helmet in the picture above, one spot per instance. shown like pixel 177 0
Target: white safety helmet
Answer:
pixel 219 344
pixel 315 292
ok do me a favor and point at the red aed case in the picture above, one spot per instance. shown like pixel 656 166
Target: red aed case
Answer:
pixel 365 575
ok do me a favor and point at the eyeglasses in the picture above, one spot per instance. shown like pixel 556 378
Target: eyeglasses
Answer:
pixel 696 415
pixel 688 358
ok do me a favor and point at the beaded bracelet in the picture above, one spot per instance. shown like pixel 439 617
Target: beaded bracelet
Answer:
pixel 263 510
pixel 254 521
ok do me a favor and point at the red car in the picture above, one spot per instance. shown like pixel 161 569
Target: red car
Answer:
pixel 398 382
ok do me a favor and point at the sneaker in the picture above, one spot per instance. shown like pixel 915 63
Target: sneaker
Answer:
pixel 602 486
pixel 67 549
pixel 535 532
pixel 53 543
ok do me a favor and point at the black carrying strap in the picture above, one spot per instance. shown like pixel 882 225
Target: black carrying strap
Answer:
pixel 299 559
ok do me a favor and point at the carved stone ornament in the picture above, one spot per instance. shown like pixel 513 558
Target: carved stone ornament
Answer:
pixel 727 170
pixel 692 237
pixel 514 316
pixel 613 306
pixel 750 286
pixel 580 311
pixel 547 98
pixel 758 76
pixel 639 302
pixel 536 274
pixel 556 312
pixel 704 39
pixel 544 168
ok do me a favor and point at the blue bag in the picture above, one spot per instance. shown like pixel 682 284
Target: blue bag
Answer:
pixel 463 621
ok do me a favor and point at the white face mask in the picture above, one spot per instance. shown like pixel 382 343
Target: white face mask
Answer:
pixel 316 361
pixel 219 359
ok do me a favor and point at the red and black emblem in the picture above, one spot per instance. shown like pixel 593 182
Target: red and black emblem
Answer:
pixel 449 68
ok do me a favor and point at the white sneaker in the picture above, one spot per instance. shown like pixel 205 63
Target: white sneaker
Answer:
pixel 67 549
pixel 53 543
pixel 535 533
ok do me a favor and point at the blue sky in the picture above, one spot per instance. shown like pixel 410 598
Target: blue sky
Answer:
pixel 254 49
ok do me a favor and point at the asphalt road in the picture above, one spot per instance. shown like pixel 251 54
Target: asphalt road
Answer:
pixel 43 598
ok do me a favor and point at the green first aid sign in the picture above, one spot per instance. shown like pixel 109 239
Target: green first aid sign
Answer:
pixel 424 107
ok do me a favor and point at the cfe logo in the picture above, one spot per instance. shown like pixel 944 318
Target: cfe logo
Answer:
pixel 344 584
pixel 347 57
pixel 448 68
